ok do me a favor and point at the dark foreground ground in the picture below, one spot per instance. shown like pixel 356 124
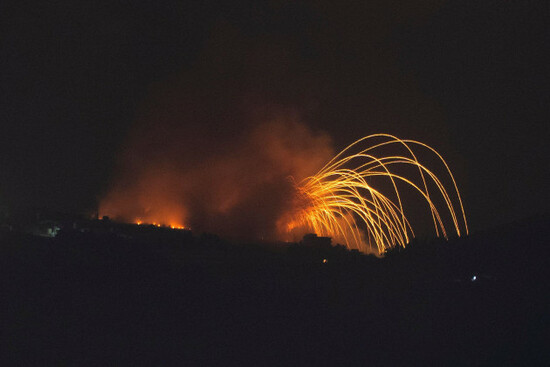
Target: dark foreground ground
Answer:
pixel 82 299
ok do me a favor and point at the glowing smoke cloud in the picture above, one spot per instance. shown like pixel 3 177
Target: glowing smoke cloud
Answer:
pixel 235 185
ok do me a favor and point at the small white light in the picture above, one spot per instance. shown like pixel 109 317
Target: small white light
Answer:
pixel 474 278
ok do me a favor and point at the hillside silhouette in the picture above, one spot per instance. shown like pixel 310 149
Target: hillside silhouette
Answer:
pixel 175 298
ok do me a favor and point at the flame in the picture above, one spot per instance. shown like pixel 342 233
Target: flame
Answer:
pixel 145 202
pixel 139 222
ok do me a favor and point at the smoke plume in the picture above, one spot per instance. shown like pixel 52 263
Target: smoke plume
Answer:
pixel 234 183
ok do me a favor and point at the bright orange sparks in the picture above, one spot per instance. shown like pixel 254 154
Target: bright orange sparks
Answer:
pixel 340 202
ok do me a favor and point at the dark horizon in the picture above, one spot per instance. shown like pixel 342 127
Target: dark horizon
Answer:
pixel 79 80
pixel 141 294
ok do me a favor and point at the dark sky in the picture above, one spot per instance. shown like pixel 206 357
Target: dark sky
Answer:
pixel 469 78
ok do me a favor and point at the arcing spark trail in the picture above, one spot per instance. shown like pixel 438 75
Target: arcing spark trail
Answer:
pixel 340 201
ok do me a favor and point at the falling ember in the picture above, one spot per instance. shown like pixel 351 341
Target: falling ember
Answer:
pixel 340 201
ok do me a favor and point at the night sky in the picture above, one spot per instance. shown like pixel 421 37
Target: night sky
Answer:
pixel 469 78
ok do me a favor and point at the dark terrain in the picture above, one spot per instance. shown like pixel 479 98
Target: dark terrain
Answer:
pixel 169 299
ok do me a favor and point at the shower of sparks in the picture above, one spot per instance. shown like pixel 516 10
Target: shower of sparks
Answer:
pixel 340 202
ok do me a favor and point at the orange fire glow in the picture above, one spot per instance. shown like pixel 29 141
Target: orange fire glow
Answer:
pixel 237 188
pixel 240 188
pixel 139 222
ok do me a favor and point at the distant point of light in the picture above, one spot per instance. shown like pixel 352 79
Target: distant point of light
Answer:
pixel 324 261
pixel 474 278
